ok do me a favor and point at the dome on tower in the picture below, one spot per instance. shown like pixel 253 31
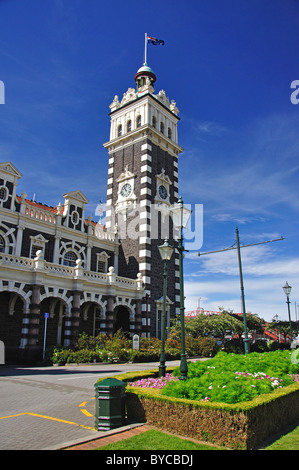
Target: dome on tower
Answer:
pixel 142 74
pixel 145 68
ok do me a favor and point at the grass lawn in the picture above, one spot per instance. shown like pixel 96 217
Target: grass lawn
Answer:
pixel 289 441
pixel 156 440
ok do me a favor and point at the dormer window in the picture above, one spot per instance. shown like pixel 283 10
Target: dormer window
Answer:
pixel 119 130
pixel 138 121
pixel 34 250
pixel 38 243
pixel 102 262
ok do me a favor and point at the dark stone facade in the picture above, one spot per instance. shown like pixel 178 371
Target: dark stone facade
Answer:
pixel 130 157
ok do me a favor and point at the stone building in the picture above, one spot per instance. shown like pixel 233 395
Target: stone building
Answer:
pixel 56 262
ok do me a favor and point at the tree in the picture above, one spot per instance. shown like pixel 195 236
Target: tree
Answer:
pixel 283 327
pixel 213 325
pixel 254 323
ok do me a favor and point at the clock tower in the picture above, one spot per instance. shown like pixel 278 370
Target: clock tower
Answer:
pixel 142 186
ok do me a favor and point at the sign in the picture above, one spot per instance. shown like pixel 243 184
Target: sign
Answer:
pixel 45 333
pixel 2 353
pixel 136 342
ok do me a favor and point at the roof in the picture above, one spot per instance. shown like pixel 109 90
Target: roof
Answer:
pixel 39 205
pixel 53 210
pixel 145 68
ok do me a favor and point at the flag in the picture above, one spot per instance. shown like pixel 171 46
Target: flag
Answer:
pixel 155 41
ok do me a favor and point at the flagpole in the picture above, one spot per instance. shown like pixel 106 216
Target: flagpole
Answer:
pixel 145 48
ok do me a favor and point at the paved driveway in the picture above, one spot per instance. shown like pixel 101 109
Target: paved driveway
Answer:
pixel 46 407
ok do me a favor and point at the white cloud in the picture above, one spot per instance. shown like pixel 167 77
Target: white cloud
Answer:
pixel 215 278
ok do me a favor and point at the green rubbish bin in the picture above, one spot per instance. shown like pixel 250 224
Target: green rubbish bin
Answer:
pixel 110 404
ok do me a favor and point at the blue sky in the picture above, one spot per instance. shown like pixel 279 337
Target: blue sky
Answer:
pixel 228 64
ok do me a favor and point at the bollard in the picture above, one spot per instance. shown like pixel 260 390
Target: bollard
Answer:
pixel 110 404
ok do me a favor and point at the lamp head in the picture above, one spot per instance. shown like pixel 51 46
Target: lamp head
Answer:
pixel 287 289
pixel 180 214
pixel 165 250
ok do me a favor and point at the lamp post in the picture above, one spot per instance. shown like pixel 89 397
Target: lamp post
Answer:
pixel 246 339
pixel 180 217
pixel 287 290
pixel 165 252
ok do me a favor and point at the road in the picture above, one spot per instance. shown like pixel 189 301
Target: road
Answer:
pixel 46 407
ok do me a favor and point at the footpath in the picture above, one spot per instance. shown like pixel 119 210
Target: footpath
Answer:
pixel 106 437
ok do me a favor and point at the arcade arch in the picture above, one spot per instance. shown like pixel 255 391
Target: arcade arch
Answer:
pixel 57 310
pixel 93 317
pixel 11 321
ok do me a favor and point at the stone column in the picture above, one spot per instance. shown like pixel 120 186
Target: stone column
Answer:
pixel 110 315
pixel 32 349
pixel 75 318
pixel 138 317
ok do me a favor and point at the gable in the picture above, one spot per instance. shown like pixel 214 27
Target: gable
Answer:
pixel 77 196
pixel 9 169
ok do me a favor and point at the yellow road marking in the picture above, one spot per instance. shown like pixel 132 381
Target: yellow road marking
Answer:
pixel 50 418
pixel 12 416
pixel 86 413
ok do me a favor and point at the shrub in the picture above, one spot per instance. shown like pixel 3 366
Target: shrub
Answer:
pixel 150 343
pixel 234 345
pixel 84 341
pixel 145 356
pixel 260 345
pixel 118 348
pixel 207 347
pixel 60 356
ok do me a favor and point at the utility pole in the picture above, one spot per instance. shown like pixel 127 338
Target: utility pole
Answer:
pixel 246 339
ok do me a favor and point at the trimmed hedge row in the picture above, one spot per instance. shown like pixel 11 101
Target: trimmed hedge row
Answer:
pixel 241 426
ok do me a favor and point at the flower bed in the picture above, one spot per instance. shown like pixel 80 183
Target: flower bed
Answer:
pixel 249 415
pixel 215 380
pixel 231 378
pixel 151 382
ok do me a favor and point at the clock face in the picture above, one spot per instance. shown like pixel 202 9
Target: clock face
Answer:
pixel 162 192
pixel 126 190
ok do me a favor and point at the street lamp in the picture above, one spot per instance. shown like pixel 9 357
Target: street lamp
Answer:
pixel 287 290
pixel 180 217
pixel 246 339
pixel 165 252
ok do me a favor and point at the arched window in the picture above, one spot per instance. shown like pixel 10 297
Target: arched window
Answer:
pixel 2 244
pixel 154 122
pixel 169 133
pixel 162 127
pixel 138 121
pixel 70 259
pixel 129 126
pixel 119 130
